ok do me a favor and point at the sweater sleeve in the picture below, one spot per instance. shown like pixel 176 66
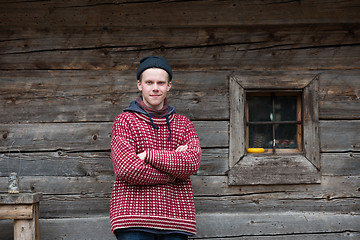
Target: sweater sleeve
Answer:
pixel 178 164
pixel 127 165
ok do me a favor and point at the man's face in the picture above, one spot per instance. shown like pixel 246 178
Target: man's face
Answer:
pixel 154 84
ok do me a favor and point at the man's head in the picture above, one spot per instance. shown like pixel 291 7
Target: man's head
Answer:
pixel 154 81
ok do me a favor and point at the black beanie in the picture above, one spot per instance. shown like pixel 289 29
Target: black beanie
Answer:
pixel 153 62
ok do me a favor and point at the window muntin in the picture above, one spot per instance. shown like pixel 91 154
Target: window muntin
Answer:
pixel 273 121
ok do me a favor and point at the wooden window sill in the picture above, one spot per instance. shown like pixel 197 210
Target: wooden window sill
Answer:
pixel 258 169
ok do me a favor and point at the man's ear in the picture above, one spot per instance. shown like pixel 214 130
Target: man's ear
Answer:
pixel 169 86
pixel 139 85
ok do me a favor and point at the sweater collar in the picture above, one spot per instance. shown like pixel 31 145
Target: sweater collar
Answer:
pixel 151 111
pixel 154 121
pixel 134 107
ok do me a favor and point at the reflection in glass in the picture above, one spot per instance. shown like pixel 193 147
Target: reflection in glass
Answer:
pixel 260 108
pixel 260 136
pixel 285 108
pixel 286 136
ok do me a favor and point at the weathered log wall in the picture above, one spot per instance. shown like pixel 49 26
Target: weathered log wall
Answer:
pixel 68 68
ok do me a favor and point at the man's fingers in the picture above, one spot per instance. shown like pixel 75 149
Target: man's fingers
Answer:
pixel 181 148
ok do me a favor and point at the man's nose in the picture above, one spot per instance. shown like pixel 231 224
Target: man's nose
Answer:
pixel 155 87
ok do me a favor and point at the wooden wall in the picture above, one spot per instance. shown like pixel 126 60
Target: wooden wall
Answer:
pixel 67 68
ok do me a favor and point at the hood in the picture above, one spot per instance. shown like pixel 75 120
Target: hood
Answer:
pixel 134 107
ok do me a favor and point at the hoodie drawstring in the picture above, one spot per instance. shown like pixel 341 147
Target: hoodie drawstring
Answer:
pixel 157 128
pixel 168 124
pixel 152 122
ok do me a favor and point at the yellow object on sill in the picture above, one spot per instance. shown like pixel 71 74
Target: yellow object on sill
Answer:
pixel 255 150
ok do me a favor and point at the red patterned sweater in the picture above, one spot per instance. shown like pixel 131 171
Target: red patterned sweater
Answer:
pixel 155 193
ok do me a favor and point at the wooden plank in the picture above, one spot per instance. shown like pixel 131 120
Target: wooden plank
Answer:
pixel 65 96
pixel 88 136
pixel 60 96
pixel 317 200
pixel 339 95
pixel 90 205
pixel 100 185
pixel 92 228
pixel 214 162
pixel 11 211
pixel 36 220
pixel 59 83
pixel 67 206
pixel 21 198
pixel 72 164
pixel 276 202
pixel 340 136
pixel 274 224
pixel 17 40
pixel 340 164
pixel 310 111
pixel 24 229
pixel 220 225
pixel 179 13
pixel 280 80
pixel 237 121
pixel 66 197
pixel 74 206
pixel 98 228
pixel 305 236
pixel 331 186
pixel 54 136
pixel 58 163
pixel 268 169
pixel 302 47
pixel 250 225
pixel 272 58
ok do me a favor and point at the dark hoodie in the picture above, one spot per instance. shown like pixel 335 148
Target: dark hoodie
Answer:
pixel 134 107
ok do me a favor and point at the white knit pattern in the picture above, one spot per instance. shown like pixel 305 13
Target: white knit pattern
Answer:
pixel 157 192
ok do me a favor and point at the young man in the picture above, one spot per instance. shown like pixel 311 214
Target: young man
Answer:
pixel 154 152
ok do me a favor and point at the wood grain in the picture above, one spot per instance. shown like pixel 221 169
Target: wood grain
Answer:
pixel 67 68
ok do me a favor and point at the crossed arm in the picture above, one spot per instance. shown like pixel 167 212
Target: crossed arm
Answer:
pixel 152 167
pixel 181 148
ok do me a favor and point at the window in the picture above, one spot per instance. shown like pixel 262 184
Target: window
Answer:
pixel 277 111
pixel 273 121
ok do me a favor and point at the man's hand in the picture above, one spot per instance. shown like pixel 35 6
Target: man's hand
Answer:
pixel 142 155
pixel 181 148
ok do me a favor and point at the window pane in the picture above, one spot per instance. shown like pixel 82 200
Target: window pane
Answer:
pixel 285 108
pixel 260 108
pixel 286 136
pixel 260 136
